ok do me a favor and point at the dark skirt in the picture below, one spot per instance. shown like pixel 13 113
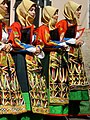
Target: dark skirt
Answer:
pixel 21 71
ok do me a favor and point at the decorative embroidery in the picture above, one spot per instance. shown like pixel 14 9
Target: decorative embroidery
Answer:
pixel 11 100
pixel 37 85
pixel 77 75
pixel 16 34
pixel 58 81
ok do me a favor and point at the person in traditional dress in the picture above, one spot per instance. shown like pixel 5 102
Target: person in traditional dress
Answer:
pixel 27 60
pixel 11 100
pixel 78 83
pixel 54 63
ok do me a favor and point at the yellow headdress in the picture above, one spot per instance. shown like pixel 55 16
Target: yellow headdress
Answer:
pixel 48 12
pixel 69 11
pixel 1 1
pixel 22 11
pixel 2 11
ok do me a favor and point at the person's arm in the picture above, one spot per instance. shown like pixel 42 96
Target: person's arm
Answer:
pixel 62 28
pixel 43 37
pixel 15 39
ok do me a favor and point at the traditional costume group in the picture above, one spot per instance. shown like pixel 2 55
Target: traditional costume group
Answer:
pixel 53 82
pixel 11 100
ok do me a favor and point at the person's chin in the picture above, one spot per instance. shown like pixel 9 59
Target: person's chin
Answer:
pixel 6 16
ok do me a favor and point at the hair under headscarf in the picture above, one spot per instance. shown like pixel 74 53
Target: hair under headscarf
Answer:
pixel 48 12
pixel 22 11
pixel 69 11
pixel 2 11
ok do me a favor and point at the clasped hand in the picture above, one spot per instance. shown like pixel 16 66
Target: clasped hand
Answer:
pixel 5 46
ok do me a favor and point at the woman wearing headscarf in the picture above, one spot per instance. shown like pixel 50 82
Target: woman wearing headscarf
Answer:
pixel 27 59
pixel 55 71
pixel 68 28
pixel 11 100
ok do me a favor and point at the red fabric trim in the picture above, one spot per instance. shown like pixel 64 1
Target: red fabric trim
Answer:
pixel 0 31
pixel 31 32
pixel 68 115
pixel 82 31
